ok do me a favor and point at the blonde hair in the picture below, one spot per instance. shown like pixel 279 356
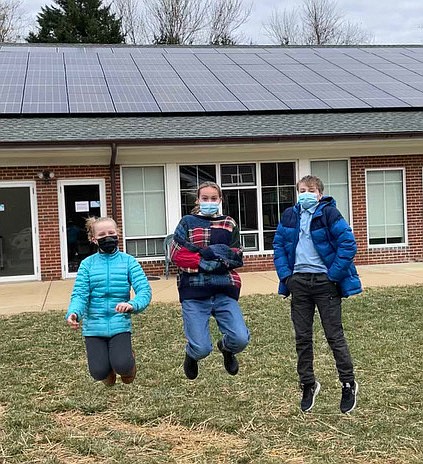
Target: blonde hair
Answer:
pixel 90 223
pixel 208 183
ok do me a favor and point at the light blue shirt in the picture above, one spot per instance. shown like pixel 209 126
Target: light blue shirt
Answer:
pixel 306 257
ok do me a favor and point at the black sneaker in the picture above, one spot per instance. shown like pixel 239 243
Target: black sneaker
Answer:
pixel 349 396
pixel 190 367
pixel 229 359
pixel 310 392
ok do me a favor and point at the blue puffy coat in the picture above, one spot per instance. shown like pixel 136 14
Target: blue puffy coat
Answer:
pixel 104 280
pixel 334 242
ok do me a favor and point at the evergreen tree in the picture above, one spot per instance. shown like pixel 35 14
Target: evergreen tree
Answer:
pixel 77 21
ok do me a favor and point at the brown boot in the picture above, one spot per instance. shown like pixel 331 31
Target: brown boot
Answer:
pixel 130 378
pixel 110 380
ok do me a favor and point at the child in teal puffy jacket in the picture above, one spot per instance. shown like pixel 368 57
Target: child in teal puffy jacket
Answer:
pixel 101 299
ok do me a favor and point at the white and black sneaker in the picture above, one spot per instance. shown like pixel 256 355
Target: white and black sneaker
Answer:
pixel 310 391
pixel 349 396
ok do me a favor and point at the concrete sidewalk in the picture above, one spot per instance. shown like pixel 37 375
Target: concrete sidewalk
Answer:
pixel 45 296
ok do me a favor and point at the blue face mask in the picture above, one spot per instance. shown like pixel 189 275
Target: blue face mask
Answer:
pixel 307 199
pixel 208 208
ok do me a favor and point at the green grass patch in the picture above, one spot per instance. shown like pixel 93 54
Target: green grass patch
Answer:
pixel 52 412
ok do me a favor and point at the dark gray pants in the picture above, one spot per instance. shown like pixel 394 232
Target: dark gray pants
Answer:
pixel 309 290
pixel 107 353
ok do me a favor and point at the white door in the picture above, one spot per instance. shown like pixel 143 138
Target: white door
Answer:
pixel 19 247
pixel 78 199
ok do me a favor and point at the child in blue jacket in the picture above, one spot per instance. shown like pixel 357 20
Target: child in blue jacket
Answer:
pixel 101 299
pixel 314 249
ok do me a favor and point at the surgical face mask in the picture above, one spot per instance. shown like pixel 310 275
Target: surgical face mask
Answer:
pixel 108 244
pixel 307 199
pixel 208 208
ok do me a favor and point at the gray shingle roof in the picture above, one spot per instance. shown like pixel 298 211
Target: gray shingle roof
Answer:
pixel 191 128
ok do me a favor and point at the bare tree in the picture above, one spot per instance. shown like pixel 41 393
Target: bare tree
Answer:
pixel 176 21
pixel 226 17
pixel 317 22
pixel 283 27
pixel 133 21
pixel 12 20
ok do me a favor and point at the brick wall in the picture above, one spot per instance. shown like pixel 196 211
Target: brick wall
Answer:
pixel 48 208
pixel 413 165
pixel 251 263
pixel 49 221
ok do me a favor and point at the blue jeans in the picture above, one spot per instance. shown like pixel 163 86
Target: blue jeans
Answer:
pixel 227 312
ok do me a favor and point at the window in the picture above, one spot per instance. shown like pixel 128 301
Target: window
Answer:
pixel 277 194
pixel 334 175
pixel 190 178
pixel 144 210
pixel 240 200
pixel 385 206
pixel 255 195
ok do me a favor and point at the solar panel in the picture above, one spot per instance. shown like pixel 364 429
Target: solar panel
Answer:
pixel 89 79
pixel 175 98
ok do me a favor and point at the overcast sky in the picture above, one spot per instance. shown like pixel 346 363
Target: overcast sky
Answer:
pixel 389 21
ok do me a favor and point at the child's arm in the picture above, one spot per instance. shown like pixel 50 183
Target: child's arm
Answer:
pixel 345 247
pixel 280 259
pixel 186 259
pixel 141 288
pixel 79 298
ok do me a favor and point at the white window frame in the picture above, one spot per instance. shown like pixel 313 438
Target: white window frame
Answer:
pixel 259 231
pixel 260 203
pixel 348 160
pixel 404 192
pixel 61 184
pixel 166 199
pixel 35 231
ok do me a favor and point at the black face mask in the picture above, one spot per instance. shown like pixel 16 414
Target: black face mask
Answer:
pixel 108 244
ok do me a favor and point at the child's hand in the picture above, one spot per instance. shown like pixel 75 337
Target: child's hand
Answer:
pixel 124 308
pixel 72 320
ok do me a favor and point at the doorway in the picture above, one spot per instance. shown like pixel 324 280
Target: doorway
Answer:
pixel 79 199
pixel 18 232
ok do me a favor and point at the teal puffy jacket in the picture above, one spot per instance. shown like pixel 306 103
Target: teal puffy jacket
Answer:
pixel 103 281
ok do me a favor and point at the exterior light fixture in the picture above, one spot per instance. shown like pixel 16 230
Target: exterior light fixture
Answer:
pixel 46 175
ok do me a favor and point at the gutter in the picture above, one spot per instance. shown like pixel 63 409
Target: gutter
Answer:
pixel 113 179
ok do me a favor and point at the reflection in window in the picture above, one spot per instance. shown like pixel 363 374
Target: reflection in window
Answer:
pixel 277 194
pixel 238 175
pixel 334 175
pixel 144 210
pixel 241 203
pixel 190 178
pixel 385 207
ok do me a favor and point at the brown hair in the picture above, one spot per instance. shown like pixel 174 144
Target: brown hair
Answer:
pixel 208 183
pixel 90 223
pixel 311 181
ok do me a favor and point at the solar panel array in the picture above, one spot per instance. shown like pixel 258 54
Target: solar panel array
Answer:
pixel 87 79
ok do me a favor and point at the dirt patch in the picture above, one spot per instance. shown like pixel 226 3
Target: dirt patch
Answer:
pixel 164 437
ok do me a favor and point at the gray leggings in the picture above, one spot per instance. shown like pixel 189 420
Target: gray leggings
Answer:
pixel 107 353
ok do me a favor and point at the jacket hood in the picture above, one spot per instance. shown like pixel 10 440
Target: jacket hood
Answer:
pixel 328 200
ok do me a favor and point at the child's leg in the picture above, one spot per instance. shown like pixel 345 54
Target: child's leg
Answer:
pixel 121 354
pixel 98 357
pixel 230 321
pixel 329 305
pixel 302 316
pixel 196 316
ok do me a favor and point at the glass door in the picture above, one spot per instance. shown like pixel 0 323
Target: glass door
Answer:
pixel 17 231
pixel 79 199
